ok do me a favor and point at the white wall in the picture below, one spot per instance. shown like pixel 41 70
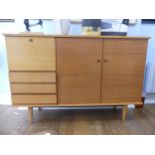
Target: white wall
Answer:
pixel 145 30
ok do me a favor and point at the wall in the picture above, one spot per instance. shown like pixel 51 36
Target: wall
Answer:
pixel 149 30
pixel 49 27
pixel 145 30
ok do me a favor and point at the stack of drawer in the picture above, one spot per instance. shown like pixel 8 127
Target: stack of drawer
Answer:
pixel 31 88
pixel 32 70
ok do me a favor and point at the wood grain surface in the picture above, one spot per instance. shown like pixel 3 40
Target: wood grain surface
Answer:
pixel 78 70
pixel 123 70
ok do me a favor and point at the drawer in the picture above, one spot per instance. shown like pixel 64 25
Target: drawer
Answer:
pixel 31 53
pixel 33 88
pixel 34 99
pixel 32 77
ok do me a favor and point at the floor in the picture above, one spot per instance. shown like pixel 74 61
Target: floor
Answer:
pixel 81 121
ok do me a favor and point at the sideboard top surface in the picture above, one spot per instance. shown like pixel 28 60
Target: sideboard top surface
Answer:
pixel 73 36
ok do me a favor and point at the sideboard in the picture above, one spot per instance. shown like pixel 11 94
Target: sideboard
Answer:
pixel 48 70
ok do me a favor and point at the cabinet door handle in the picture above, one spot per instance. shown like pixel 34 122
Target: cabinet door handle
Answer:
pixel 31 40
pixel 98 60
pixel 105 60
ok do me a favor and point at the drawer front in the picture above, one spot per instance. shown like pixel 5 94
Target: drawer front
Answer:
pixel 34 99
pixel 32 77
pixel 31 53
pixel 33 88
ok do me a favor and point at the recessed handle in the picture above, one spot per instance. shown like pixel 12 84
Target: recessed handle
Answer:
pixel 31 40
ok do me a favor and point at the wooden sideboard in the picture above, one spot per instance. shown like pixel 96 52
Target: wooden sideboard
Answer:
pixel 47 70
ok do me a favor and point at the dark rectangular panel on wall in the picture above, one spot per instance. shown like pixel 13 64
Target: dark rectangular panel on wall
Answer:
pixel 148 21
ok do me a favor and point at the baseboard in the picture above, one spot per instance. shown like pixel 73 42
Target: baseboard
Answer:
pixel 150 99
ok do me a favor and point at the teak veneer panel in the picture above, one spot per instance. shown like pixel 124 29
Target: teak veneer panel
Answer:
pixel 33 88
pixel 33 34
pixel 78 70
pixel 40 99
pixel 32 77
pixel 31 53
pixel 123 70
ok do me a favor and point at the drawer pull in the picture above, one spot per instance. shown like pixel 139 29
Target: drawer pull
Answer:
pixel 98 60
pixel 105 60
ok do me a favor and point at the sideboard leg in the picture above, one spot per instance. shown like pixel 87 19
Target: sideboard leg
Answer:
pixel 30 111
pixel 124 112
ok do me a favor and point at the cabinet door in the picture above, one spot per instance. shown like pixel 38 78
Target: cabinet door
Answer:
pixel 123 70
pixel 79 70
pixel 31 53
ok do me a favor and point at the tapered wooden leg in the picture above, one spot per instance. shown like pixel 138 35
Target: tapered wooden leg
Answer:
pixel 124 112
pixel 30 111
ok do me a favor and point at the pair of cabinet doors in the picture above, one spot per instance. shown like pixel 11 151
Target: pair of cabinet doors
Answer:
pixel 97 70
